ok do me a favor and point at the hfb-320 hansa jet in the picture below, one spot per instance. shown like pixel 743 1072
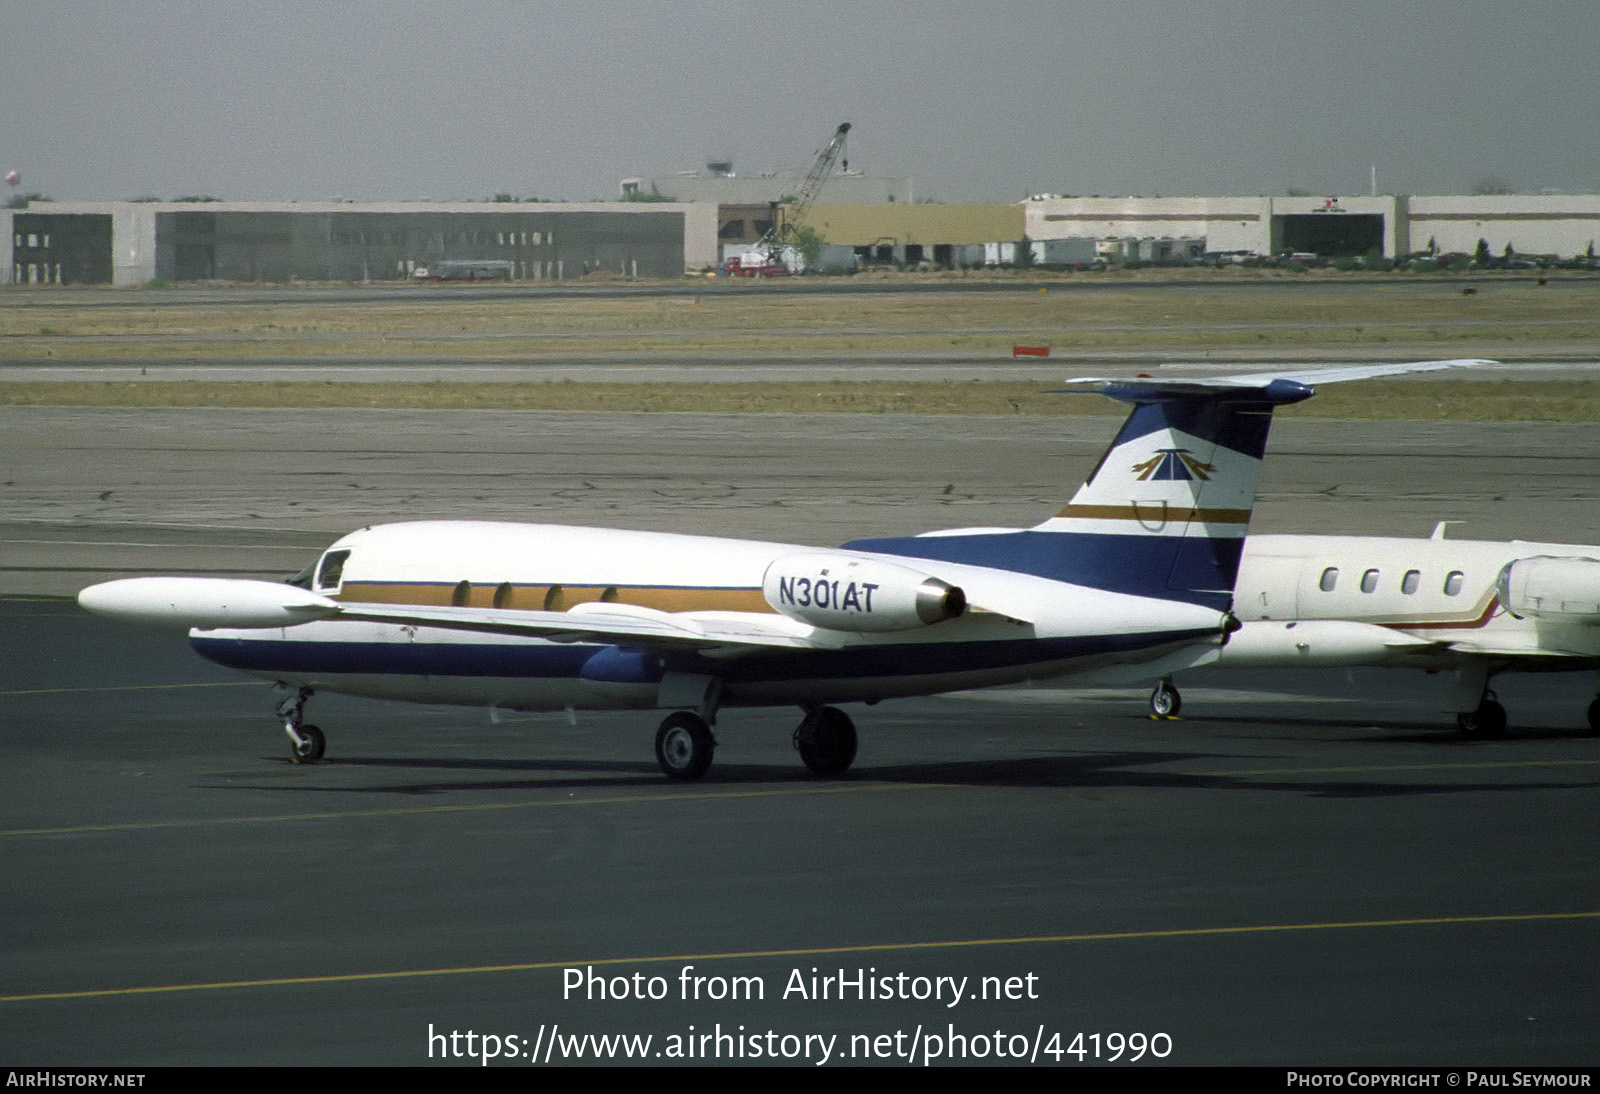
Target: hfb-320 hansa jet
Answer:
pixel 1138 568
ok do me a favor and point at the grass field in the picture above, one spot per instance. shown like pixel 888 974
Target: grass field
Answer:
pixel 1453 398
pixel 1494 319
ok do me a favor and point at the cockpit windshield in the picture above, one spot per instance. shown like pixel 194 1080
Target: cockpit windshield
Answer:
pixel 331 571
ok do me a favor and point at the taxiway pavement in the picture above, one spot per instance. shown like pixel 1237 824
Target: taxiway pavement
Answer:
pixel 1302 871
pixel 91 493
pixel 1279 878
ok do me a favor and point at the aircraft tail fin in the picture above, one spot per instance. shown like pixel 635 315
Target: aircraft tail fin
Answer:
pixel 1165 511
pixel 1167 507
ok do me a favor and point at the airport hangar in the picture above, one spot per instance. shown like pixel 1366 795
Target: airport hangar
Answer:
pixel 1332 227
pixel 131 243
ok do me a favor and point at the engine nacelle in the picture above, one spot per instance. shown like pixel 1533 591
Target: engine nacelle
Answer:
pixel 843 593
pixel 1548 587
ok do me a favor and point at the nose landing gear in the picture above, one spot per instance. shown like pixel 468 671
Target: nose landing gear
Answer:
pixel 1165 702
pixel 306 742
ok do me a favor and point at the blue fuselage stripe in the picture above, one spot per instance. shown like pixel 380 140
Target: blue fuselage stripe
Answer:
pixel 536 660
pixel 1193 569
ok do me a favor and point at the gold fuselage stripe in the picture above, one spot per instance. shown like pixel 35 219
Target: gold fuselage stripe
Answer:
pixel 1156 511
pixel 553 597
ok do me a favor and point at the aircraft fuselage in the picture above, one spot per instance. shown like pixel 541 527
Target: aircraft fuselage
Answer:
pixel 1424 603
pixel 1019 627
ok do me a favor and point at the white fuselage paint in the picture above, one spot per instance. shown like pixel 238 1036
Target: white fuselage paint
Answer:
pixel 1452 610
pixel 1044 627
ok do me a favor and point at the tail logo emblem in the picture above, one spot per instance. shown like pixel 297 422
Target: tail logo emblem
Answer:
pixel 1173 463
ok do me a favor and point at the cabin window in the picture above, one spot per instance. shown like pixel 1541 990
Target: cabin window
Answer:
pixel 502 595
pixel 331 572
pixel 554 599
pixel 1408 584
pixel 461 594
pixel 1369 581
pixel 609 596
pixel 1330 578
pixel 1452 583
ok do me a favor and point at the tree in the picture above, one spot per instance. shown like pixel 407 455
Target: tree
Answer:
pixel 807 243
pixel 1022 257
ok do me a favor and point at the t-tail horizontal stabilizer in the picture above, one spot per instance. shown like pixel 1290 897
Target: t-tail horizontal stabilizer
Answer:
pixel 1165 511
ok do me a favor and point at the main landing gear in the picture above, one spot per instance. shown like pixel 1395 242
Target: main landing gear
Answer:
pixel 684 745
pixel 1478 714
pixel 825 739
pixel 1488 720
pixel 306 742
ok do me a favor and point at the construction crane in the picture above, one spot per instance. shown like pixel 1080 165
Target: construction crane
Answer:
pixel 785 222
pixel 788 217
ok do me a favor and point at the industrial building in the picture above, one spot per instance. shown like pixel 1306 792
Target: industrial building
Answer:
pixel 911 235
pixel 1388 225
pixel 130 243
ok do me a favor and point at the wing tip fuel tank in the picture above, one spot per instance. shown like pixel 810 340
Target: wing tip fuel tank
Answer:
pixel 205 602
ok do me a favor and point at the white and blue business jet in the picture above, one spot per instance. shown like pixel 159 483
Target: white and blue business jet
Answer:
pixel 1138 569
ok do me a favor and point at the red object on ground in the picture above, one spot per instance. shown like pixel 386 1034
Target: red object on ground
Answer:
pixel 1030 351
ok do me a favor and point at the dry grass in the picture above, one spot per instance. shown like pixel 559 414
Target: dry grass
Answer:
pixel 1415 399
pixel 776 322
pixel 1101 316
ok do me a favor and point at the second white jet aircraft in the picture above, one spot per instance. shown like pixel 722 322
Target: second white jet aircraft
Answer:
pixel 1473 609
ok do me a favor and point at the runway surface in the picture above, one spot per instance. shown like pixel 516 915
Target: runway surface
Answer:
pixel 93 493
pixel 1280 878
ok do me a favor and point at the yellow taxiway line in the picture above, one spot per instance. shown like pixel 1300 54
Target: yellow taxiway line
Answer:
pixel 812 951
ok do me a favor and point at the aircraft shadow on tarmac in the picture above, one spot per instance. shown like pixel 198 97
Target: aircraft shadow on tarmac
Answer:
pixel 1126 770
pixel 1396 732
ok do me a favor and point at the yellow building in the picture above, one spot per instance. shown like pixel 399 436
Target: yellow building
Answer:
pixel 913 234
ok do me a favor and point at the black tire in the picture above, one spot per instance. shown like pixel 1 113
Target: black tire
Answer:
pixel 826 741
pixel 1488 721
pixel 1165 701
pixel 311 748
pixel 1594 717
pixel 684 746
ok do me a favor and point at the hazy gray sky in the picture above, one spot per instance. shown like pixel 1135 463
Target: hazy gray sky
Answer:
pixel 977 102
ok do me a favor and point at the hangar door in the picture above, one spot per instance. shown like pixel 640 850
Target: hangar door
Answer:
pixel 1331 235
pixel 61 249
